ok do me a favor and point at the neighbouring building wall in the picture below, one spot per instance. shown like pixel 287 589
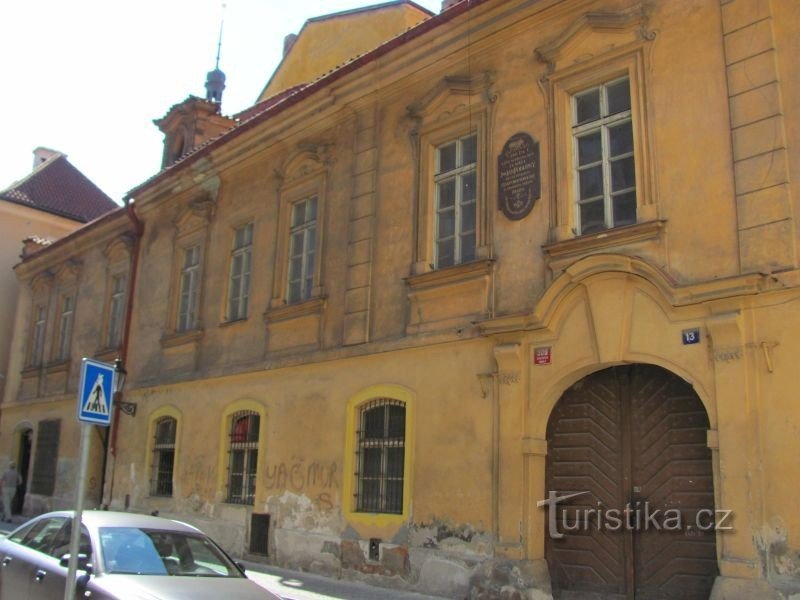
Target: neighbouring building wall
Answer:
pixel 17 223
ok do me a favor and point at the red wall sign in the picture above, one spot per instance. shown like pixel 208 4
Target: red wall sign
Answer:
pixel 541 356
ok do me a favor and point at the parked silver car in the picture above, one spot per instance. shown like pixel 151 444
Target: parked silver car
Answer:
pixel 122 555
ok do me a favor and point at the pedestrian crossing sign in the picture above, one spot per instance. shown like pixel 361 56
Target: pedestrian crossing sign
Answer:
pixel 96 392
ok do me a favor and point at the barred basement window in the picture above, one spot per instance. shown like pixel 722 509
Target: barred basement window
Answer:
pixel 243 460
pixel 163 457
pixel 381 456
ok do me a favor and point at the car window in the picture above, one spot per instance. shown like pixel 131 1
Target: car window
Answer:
pixel 43 534
pixel 20 533
pixel 154 552
pixel 62 541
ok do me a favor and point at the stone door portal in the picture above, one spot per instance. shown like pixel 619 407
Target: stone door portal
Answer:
pixel 633 438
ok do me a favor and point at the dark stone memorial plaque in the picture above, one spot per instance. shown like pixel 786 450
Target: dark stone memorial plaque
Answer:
pixel 518 176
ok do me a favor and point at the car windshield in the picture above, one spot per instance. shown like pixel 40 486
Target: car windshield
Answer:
pixel 132 550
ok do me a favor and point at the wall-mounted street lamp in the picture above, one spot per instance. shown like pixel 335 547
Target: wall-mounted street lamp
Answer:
pixel 129 408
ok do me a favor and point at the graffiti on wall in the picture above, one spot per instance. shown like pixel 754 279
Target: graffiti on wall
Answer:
pixel 316 479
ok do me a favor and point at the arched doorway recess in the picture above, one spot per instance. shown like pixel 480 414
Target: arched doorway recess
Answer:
pixel 631 436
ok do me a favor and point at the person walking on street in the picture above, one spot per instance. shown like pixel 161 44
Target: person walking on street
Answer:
pixel 9 482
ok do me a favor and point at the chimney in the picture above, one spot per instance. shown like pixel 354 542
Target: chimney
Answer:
pixel 41 155
pixel 288 42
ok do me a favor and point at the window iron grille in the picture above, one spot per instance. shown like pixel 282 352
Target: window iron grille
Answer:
pixel 163 457
pixel 381 457
pixel 243 457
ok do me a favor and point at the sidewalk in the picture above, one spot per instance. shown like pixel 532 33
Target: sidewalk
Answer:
pixel 16 521
pixel 292 585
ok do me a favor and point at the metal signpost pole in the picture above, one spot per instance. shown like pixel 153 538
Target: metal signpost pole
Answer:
pixel 95 397
pixel 74 540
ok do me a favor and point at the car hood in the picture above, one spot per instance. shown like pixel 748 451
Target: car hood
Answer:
pixel 161 587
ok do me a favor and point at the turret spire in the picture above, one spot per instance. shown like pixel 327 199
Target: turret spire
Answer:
pixel 215 80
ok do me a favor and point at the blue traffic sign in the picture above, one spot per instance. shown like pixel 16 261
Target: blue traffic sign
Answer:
pixel 96 392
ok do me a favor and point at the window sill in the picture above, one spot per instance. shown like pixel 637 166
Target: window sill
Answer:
pixel 107 354
pixel 619 236
pixel 233 322
pixel 57 366
pixel 31 371
pixel 293 311
pixel 173 340
pixel 448 275
pixel 449 298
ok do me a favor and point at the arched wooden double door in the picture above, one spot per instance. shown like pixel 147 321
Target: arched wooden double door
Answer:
pixel 633 435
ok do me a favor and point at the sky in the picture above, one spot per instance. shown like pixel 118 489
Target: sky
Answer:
pixel 87 77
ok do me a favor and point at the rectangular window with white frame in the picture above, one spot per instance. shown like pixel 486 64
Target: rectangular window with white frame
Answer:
pixel 239 283
pixel 65 327
pixel 455 183
pixel 605 174
pixel 116 310
pixel 37 337
pixel 302 250
pixel 189 289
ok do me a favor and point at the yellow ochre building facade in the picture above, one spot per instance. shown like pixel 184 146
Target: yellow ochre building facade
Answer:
pixel 519 251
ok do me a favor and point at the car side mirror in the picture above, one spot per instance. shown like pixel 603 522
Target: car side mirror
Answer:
pixel 241 567
pixel 83 562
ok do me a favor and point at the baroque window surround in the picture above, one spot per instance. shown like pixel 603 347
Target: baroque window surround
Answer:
pixel 456 107
pixel 246 249
pixel 304 176
pixel 118 258
pixel 65 286
pixel 621 50
pixel 40 313
pixel 191 230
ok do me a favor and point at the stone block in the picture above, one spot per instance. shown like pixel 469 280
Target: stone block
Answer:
pixel 365 161
pixel 764 206
pixel 752 73
pixel 758 138
pixel 760 171
pixel 361 206
pixel 363 183
pixel 358 276
pixel 355 328
pixel 754 105
pixel 360 229
pixel 358 252
pixel 356 300
pixel 749 41
pixel 740 13
pixel 767 248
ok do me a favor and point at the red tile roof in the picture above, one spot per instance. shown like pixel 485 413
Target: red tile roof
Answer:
pixel 57 187
pixel 272 107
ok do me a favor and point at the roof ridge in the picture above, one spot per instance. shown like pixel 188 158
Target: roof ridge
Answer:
pixel 36 170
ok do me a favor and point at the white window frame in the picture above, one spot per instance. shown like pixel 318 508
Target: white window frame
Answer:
pixel 239 277
pixel 65 326
pixel 116 311
pixel 603 124
pixel 189 289
pixel 457 174
pixel 37 335
pixel 306 231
